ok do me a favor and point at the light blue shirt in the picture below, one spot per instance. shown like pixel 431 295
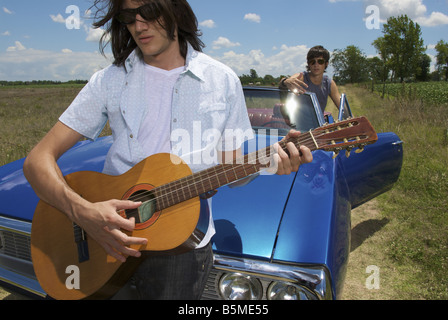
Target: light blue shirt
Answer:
pixel 208 112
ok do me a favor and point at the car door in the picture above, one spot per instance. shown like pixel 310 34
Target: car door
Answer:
pixel 376 169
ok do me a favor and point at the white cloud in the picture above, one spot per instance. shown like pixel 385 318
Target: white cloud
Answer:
pixel 435 19
pixel 31 64
pixel 289 60
pixel 6 10
pixel 252 17
pixel 18 47
pixel 223 42
pixel 58 18
pixel 6 33
pixel 93 35
pixel 414 9
pixel 208 24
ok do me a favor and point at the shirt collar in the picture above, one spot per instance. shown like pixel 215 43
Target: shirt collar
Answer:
pixel 191 63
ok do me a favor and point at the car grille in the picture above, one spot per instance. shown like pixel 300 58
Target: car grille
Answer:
pixel 210 291
pixel 15 245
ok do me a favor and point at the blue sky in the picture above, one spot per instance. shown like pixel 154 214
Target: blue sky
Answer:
pixel 269 36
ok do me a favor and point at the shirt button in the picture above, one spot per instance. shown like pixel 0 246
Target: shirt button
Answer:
pixel 131 136
pixel 174 120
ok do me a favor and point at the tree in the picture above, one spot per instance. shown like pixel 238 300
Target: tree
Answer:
pixel 423 70
pixel 382 68
pixel 350 65
pixel 442 58
pixel 402 46
pixel 253 74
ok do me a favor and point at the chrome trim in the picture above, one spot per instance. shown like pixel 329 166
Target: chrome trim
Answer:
pixel 313 277
pixel 15 225
pixel 22 282
pixel 399 142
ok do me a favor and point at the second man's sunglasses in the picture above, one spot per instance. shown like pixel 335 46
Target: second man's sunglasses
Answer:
pixel 314 61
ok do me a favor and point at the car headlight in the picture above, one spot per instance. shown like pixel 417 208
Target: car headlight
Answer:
pixel 236 286
pixel 288 291
pixel 234 278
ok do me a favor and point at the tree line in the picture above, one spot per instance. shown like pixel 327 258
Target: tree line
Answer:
pixel 401 57
pixel 254 79
pixel 39 82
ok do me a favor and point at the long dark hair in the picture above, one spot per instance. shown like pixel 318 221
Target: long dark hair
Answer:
pixel 174 13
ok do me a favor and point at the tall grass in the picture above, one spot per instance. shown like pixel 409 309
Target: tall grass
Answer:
pixel 416 241
pixel 430 92
pixel 27 114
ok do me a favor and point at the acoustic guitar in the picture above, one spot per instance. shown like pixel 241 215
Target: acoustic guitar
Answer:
pixel 71 266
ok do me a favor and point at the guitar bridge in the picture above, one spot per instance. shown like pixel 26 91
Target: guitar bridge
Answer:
pixel 81 242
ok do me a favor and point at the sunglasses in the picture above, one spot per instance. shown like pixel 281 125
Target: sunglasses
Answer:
pixel 149 12
pixel 314 61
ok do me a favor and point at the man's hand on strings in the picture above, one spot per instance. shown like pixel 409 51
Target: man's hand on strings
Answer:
pixel 286 164
pixel 103 224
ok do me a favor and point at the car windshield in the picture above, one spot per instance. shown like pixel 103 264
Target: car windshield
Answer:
pixel 280 110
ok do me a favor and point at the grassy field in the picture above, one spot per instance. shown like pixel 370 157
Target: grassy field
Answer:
pixel 428 92
pixel 404 232
pixel 411 247
pixel 26 114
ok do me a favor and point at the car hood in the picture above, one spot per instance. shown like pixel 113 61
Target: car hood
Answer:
pixel 275 217
pixel 247 218
pixel 18 200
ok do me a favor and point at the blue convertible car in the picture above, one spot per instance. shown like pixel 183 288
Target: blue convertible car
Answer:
pixel 278 238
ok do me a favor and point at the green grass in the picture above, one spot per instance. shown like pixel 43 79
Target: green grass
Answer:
pixel 416 239
pixel 429 92
pixel 27 114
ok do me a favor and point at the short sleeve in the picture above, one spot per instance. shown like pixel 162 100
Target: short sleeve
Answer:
pixel 238 128
pixel 87 113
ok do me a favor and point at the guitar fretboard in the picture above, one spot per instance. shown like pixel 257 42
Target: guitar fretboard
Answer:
pixel 215 177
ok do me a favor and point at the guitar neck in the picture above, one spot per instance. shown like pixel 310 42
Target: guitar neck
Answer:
pixel 347 134
pixel 224 174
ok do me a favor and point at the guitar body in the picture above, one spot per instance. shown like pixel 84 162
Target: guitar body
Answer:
pixel 70 265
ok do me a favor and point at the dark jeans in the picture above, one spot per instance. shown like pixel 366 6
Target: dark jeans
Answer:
pixel 174 277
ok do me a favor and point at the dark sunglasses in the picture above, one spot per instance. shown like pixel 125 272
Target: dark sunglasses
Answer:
pixel 314 61
pixel 149 12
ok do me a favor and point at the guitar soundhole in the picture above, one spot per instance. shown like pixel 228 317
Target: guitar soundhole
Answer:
pixel 146 214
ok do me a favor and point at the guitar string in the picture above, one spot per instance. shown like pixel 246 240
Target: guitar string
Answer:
pixel 177 187
pixel 198 178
